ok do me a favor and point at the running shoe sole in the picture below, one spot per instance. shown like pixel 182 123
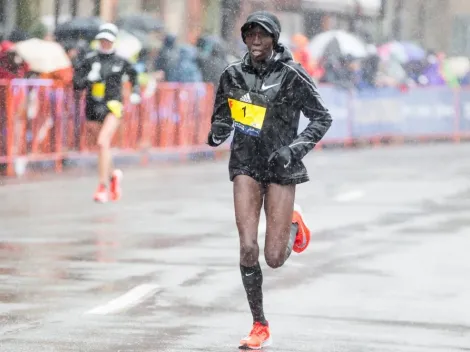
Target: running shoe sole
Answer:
pixel 266 343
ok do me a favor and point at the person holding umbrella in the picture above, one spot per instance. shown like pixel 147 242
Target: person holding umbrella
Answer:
pixel 100 73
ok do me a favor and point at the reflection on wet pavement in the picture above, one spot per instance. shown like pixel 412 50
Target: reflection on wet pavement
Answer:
pixel 386 270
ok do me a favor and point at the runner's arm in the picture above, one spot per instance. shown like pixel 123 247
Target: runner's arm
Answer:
pixel 133 76
pixel 221 109
pixel 308 99
pixel 80 80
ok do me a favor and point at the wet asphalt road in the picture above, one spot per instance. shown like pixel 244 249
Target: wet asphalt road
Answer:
pixel 387 269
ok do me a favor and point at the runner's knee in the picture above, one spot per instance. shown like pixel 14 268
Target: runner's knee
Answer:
pixel 104 142
pixel 275 258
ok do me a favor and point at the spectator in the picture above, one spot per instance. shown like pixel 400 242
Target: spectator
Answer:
pixel 187 69
pixel 212 64
pixel 11 64
pixel 167 59
pixel 72 52
pixel 18 35
pixel 370 67
pixel 300 52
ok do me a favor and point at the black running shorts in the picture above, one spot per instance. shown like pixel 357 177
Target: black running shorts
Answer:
pixel 97 111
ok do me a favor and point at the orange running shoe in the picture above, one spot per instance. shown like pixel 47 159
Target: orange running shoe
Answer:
pixel 302 239
pixel 115 186
pixel 101 194
pixel 259 337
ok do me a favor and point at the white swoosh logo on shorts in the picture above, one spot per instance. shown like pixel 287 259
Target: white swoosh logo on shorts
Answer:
pixel 263 87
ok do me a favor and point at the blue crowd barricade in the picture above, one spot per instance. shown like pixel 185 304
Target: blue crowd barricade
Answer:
pixel 388 113
pixel 428 112
pixel 338 103
pixel 464 111
pixel 375 113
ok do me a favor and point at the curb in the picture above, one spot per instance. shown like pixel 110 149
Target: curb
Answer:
pixel 86 161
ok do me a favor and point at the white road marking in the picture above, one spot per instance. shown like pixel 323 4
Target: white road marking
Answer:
pixel 126 301
pixel 349 196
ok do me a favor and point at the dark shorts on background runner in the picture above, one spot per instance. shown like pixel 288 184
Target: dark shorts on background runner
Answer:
pixel 97 111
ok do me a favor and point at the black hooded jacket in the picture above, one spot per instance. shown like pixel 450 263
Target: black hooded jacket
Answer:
pixel 265 108
pixel 113 68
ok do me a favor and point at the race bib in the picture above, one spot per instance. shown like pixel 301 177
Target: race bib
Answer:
pixel 98 90
pixel 248 116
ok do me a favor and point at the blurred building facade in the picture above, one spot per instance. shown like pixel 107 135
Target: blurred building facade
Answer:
pixel 189 18
pixel 181 17
pixel 309 16
pixel 7 15
pixel 440 25
pixel 186 18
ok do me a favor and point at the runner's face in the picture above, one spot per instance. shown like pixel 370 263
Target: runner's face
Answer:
pixel 106 44
pixel 259 42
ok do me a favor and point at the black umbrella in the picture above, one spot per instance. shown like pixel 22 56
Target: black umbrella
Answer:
pixel 18 35
pixel 144 23
pixel 78 28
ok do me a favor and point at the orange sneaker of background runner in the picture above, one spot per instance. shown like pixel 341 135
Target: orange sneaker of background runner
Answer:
pixel 115 186
pixel 101 194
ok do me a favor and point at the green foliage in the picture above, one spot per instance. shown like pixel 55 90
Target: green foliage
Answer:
pixel 26 13
pixel 38 30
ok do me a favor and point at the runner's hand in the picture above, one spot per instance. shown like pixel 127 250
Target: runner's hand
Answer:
pixel 281 157
pixel 135 99
pixel 219 132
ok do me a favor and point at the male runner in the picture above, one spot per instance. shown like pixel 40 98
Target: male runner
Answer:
pixel 262 96
pixel 101 74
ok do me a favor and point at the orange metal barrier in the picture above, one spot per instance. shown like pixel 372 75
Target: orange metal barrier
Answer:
pixel 40 121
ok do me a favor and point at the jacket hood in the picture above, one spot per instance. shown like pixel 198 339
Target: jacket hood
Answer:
pixel 265 19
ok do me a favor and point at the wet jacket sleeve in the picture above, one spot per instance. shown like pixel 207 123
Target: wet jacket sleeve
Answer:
pixel 311 104
pixel 131 72
pixel 82 70
pixel 221 109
